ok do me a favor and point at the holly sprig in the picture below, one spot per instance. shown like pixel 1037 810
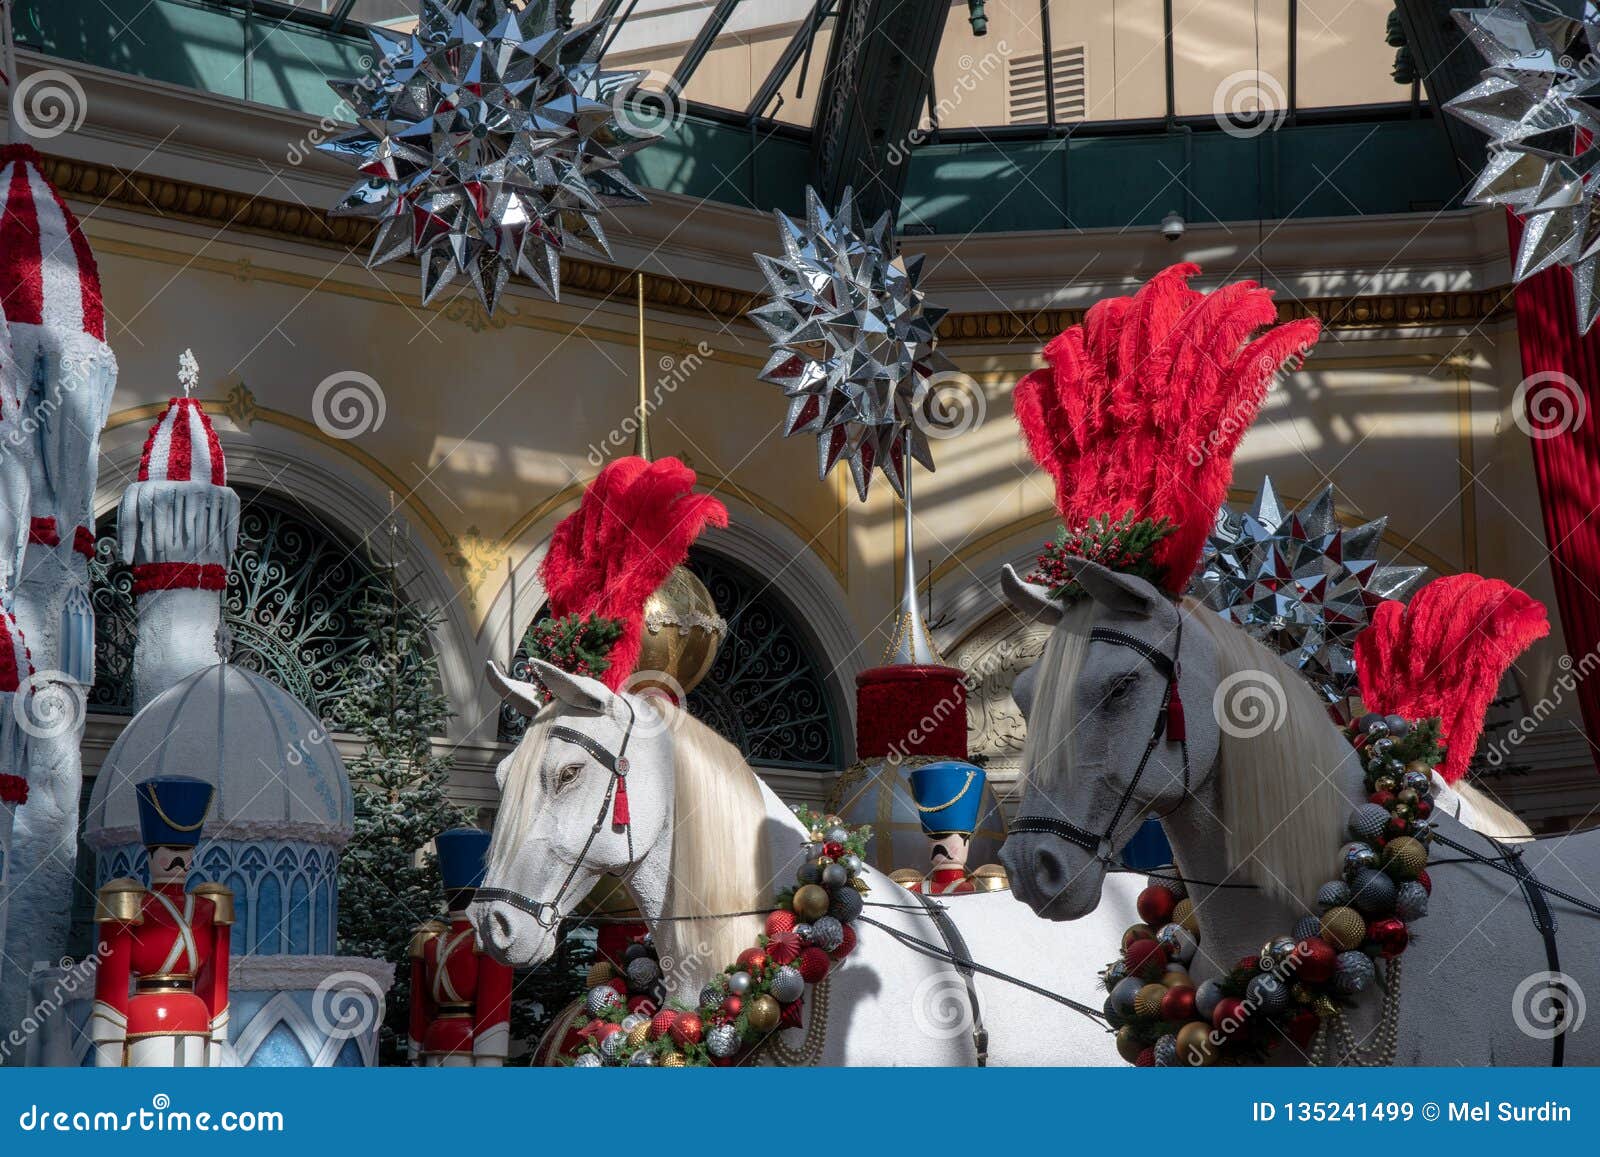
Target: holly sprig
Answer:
pixel 578 644
pixel 1125 544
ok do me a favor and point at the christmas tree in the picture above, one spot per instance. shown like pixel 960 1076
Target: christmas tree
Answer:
pixel 395 707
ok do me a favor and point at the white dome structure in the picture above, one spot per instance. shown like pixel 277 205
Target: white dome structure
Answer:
pixel 282 811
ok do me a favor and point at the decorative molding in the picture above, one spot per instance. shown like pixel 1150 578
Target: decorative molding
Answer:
pixel 169 198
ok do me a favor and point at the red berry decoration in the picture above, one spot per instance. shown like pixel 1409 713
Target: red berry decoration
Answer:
pixel 1178 1004
pixel 1155 905
pixel 813 965
pixel 1145 959
pixel 847 945
pixel 1390 935
pixel 783 947
pixel 687 1029
pixel 752 960
pixel 662 1023
pixel 642 1004
pixel 1315 959
pixel 783 920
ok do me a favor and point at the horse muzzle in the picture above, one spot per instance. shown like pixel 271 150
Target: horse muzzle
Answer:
pixel 1057 879
pixel 511 935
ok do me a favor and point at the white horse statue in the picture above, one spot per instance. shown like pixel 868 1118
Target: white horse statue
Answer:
pixel 1267 805
pixel 707 837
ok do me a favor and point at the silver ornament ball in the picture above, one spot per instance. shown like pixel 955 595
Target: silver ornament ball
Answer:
pixel 1178 941
pixel 1123 994
pixel 739 983
pixel 602 999
pixel 1355 856
pixel 1352 972
pixel 787 985
pixel 1411 901
pixel 722 1040
pixel 1307 927
pixel 1267 992
pixel 1368 821
pixel 1166 1051
pixel 846 905
pixel 642 973
pixel 1206 997
pixel 1333 894
pixel 1372 892
pixel 838 836
pixel 587 1061
pixel 827 933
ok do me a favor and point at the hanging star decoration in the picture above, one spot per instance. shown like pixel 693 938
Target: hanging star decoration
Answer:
pixel 488 142
pixel 1533 103
pixel 853 342
pixel 1300 582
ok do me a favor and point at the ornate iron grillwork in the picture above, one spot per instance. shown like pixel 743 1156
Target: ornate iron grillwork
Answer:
pixel 767 691
pixel 288 608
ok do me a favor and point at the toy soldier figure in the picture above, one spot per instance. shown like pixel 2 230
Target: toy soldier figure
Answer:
pixel 949 796
pixel 460 998
pixel 161 994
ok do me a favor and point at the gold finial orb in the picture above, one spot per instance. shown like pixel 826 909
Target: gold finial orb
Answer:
pixel 991 878
pixel 682 632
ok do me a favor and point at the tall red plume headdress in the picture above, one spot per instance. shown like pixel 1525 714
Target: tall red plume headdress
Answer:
pixel 1141 407
pixel 635 523
pixel 1444 654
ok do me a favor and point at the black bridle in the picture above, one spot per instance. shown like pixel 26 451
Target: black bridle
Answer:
pixel 1169 724
pixel 548 912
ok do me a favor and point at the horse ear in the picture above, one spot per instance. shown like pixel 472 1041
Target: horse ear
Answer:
pixel 1125 594
pixel 523 697
pixel 1032 599
pixel 577 691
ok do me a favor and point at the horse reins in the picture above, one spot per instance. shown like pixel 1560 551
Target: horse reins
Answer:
pixel 547 913
pixel 1169 724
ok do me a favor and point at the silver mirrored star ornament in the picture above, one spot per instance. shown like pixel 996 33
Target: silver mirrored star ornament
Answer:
pixel 854 344
pixel 1300 582
pixel 488 142
pixel 1536 102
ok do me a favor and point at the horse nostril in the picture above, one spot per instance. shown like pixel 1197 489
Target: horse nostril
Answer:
pixel 1048 867
pixel 499 929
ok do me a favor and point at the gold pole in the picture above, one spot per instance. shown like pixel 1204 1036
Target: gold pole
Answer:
pixel 641 437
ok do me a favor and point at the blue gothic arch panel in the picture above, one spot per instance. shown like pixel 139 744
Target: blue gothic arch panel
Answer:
pixel 768 690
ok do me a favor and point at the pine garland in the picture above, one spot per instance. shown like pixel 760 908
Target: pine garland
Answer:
pixel 1126 544
pixel 578 644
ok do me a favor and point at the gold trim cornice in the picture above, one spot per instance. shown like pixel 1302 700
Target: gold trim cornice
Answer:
pixel 166 197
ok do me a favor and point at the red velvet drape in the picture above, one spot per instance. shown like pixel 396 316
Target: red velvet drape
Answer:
pixel 1567 463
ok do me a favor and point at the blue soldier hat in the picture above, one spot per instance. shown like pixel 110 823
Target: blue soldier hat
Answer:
pixel 463 854
pixel 171 810
pixel 949 796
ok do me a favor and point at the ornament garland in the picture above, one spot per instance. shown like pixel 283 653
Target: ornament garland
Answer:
pixel 1298 984
pixel 1125 544
pixel 808 932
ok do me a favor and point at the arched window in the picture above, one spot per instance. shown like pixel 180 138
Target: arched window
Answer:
pixel 767 692
pixel 288 608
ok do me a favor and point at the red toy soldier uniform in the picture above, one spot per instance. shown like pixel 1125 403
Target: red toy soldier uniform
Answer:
pixel 161 993
pixel 460 998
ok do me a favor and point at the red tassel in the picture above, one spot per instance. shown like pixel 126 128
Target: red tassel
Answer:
pixel 1175 727
pixel 619 805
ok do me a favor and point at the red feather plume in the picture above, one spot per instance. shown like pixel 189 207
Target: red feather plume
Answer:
pixel 1142 406
pixel 1444 654
pixel 635 523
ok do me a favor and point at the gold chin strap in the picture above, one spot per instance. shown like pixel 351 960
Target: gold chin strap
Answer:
pixel 150 794
pixel 953 800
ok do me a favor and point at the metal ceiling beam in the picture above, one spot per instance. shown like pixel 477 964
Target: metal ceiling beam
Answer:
pixel 880 67
pixel 799 46
pixel 707 36
pixel 1449 65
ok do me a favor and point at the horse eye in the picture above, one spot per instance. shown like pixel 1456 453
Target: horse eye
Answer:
pixel 568 773
pixel 1122 686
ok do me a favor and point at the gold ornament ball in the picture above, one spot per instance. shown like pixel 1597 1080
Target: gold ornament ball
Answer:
pixel 763 1013
pixel 1183 915
pixel 1137 932
pixel 1195 1046
pixel 1175 977
pixel 673 1061
pixel 1419 765
pixel 1402 811
pixel 1343 928
pixel 639 1034
pixel 991 878
pixel 905 877
pixel 1406 855
pixel 1147 1001
pixel 599 973
pixel 681 636
pixel 1385 783
pixel 1408 795
pixel 810 902
pixel 1129 1046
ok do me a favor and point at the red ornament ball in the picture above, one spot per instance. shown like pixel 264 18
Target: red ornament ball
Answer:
pixel 813 965
pixel 1389 934
pixel 1383 799
pixel 1314 960
pixel 1228 1017
pixel 1249 964
pixel 732 1006
pixel 1396 827
pixel 752 960
pixel 662 1023
pixel 1178 1004
pixel 604 1028
pixel 847 945
pixel 642 1004
pixel 1145 959
pixel 687 1029
pixel 1146 1058
pixel 1426 881
pixel 783 920
pixel 783 947
pixel 833 850
pixel 1155 905
pixel 620 983
pixel 789 1015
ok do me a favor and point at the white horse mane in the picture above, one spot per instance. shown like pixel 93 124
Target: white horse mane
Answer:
pixel 1283 792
